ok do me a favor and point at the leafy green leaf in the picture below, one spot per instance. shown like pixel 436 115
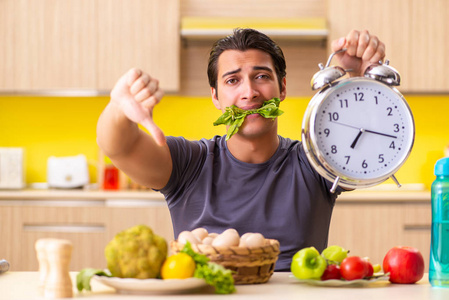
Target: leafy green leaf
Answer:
pixel 84 276
pixel 217 276
pixel 214 274
pixel 200 259
pixel 234 116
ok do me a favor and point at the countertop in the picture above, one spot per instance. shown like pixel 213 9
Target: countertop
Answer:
pixel 24 285
pixel 79 194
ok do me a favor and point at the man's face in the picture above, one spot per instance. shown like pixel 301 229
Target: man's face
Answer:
pixel 246 79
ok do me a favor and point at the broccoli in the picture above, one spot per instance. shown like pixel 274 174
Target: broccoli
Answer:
pixel 136 253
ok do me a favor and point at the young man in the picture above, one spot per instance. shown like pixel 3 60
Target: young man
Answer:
pixel 257 181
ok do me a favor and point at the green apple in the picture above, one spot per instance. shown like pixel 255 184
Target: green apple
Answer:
pixel 307 263
pixel 334 254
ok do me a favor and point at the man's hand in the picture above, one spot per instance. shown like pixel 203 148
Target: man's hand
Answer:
pixel 363 50
pixel 136 94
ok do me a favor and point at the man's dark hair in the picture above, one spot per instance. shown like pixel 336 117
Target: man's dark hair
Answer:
pixel 242 40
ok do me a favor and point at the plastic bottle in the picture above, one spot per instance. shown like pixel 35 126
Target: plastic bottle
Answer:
pixel 439 244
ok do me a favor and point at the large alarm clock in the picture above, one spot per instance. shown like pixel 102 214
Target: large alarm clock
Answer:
pixel 358 131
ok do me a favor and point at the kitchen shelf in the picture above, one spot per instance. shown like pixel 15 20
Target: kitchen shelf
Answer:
pixel 205 28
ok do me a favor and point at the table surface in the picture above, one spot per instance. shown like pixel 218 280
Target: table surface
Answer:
pixel 24 285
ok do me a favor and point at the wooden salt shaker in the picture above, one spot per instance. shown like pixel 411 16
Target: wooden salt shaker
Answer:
pixel 58 283
pixel 41 254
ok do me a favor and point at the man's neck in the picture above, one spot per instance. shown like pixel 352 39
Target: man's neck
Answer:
pixel 255 151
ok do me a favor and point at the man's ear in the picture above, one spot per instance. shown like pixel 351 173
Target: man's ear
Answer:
pixel 213 92
pixel 283 92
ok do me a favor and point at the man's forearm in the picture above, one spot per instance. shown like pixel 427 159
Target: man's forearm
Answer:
pixel 116 134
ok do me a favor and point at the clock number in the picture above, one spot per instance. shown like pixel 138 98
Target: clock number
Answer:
pixel 359 96
pixel 364 164
pixel 333 116
pixel 381 158
pixel 327 132
pixel 334 149
pixel 392 146
pixel 343 103
pixel 377 100
pixel 347 159
pixel 396 127
pixel 390 110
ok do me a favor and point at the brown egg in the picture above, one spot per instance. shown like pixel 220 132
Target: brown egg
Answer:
pixel 228 238
pixel 255 240
pixel 213 235
pixel 200 233
pixel 185 236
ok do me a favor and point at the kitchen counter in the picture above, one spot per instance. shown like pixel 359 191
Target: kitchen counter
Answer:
pixel 24 285
pixel 79 194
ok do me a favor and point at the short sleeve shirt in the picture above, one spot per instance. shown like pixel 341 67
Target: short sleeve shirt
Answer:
pixel 283 198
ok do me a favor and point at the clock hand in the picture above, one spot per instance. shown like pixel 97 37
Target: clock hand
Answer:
pixel 357 138
pixel 380 133
pixel 366 130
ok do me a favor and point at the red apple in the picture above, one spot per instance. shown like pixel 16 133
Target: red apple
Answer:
pixel 331 272
pixel 405 264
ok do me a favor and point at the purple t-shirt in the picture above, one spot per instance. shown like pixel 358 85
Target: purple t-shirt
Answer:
pixel 283 198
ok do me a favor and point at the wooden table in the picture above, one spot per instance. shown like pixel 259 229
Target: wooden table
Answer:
pixel 24 285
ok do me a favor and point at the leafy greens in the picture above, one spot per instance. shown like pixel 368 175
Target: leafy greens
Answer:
pixel 234 116
pixel 214 274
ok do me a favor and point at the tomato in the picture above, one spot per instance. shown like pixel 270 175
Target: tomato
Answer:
pixel 370 271
pixel 178 266
pixel 331 272
pixel 353 267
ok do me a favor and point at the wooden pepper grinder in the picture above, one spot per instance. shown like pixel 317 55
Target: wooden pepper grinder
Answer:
pixel 58 283
pixel 41 254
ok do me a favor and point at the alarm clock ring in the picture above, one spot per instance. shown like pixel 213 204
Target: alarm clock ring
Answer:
pixel 357 132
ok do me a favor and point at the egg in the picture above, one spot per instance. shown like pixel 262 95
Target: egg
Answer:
pixel 208 240
pixel 200 233
pixel 185 236
pixel 213 235
pixel 243 239
pixel 228 238
pixel 255 240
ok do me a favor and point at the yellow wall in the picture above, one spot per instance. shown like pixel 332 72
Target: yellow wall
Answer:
pixel 58 126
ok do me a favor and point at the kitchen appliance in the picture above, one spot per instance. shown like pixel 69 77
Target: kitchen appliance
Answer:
pixel 67 172
pixel 12 174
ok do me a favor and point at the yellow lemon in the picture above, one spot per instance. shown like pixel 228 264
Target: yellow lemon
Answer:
pixel 178 266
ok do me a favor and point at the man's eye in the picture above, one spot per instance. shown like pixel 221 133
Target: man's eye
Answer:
pixel 263 76
pixel 231 81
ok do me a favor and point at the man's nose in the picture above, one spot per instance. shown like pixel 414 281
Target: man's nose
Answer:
pixel 249 90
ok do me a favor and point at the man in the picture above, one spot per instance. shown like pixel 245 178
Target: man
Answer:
pixel 256 181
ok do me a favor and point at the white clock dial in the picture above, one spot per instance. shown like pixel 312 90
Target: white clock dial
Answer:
pixel 363 129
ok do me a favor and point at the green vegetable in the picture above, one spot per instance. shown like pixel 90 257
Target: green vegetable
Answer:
pixel 84 276
pixel 214 274
pixel 136 253
pixel 217 276
pixel 234 116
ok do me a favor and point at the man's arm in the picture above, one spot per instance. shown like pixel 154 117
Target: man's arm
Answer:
pixel 144 158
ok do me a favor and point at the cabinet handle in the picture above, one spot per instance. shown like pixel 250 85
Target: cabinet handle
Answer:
pixel 75 228
pixel 417 227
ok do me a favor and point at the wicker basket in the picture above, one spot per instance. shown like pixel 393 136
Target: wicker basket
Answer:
pixel 250 265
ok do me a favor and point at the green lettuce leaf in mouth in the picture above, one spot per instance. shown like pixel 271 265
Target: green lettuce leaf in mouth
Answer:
pixel 234 116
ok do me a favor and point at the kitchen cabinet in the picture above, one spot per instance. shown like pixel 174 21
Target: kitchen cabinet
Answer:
pixel 414 31
pixel 79 45
pixel 370 227
pixel 88 223
pixel 302 51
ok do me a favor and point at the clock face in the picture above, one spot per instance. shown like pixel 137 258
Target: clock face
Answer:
pixel 362 129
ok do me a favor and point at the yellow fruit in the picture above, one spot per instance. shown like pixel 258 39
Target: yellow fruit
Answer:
pixel 178 266
pixel 376 268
